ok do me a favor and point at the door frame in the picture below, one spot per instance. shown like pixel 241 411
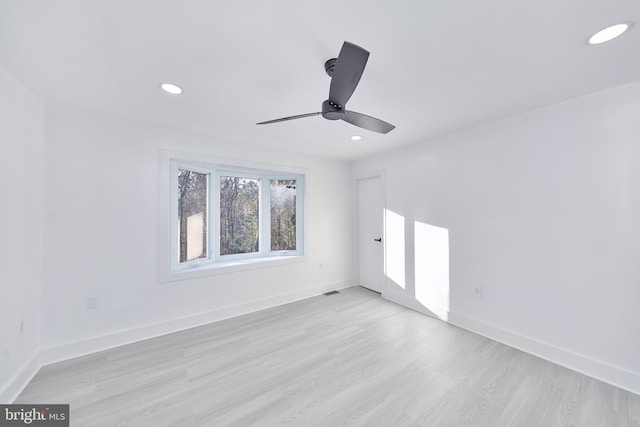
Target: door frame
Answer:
pixel 377 173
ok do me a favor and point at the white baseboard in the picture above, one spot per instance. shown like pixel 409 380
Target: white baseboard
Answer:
pixel 20 379
pixel 597 369
pixel 81 348
pixel 602 371
pixel 105 342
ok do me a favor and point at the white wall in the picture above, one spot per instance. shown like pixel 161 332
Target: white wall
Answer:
pixel 542 211
pixel 101 235
pixel 21 210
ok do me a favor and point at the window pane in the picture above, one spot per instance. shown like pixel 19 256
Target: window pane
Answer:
pixel 192 215
pixel 239 213
pixel 283 215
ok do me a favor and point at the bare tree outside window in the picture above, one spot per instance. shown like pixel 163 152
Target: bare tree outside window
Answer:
pixel 192 215
pixel 283 215
pixel 239 215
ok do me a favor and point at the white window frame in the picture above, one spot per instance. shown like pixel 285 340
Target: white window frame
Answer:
pixel 236 173
pixel 215 263
pixel 299 209
pixel 176 264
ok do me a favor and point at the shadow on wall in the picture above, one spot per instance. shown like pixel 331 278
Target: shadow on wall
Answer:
pixel 424 278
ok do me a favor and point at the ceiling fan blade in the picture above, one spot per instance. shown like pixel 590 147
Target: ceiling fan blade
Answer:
pixel 367 122
pixel 347 72
pixel 284 119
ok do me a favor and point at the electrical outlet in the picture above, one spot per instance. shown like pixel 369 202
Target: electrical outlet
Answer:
pixel 92 303
pixel 321 267
pixel 477 292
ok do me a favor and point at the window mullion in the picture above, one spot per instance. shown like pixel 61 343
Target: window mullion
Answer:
pixel 265 215
pixel 216 213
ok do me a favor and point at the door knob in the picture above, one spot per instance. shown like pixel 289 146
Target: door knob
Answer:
pixel 379 239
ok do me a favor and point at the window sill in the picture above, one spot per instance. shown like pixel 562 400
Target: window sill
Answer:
pixel 225 267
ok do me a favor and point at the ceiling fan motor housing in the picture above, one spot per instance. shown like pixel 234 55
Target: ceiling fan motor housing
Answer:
pixel 329 66
pixel 332 111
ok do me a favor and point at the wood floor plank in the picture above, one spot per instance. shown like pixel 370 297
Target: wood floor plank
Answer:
pixel 347 359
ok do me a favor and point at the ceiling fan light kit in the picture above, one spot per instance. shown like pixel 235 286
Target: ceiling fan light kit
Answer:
pixel 345 72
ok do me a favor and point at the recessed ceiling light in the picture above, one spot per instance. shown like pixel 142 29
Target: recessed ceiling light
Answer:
pixel 356 138
pixel 609 33
pixel 171 88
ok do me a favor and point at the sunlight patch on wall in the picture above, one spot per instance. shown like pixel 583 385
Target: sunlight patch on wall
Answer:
pixel 394 255
pixel 432 268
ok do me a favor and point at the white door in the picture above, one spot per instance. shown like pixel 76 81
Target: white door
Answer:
pixel 370 223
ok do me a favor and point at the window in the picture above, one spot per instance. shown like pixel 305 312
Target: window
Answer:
pixel 283 214
pixel 220 214
pixel 193 207
pixel 239 215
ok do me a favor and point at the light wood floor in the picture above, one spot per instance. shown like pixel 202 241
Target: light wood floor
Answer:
pixel 345 359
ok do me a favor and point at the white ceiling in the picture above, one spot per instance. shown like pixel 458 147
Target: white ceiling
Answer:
pixel 435 66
